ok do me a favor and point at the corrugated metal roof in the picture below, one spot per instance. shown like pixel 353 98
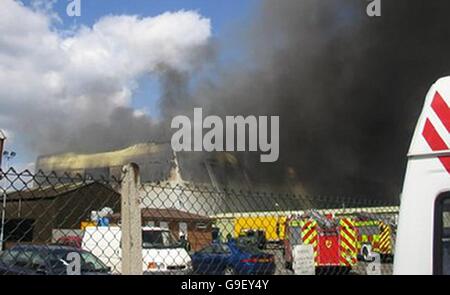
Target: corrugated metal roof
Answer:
pixel 51 191
pixel 168 214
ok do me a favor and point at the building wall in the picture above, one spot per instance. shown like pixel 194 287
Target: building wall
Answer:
pixel 199 238
pixel 63 212
pixel 181 198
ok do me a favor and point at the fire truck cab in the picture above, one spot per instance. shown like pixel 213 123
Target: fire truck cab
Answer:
pixel 423 236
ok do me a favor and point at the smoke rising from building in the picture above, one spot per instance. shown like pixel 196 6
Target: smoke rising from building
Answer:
pixel 348 90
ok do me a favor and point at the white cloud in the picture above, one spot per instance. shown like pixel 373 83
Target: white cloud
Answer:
pixel 46 7
pixel 51 84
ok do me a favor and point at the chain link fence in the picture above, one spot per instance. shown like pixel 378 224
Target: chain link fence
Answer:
pixel 73 224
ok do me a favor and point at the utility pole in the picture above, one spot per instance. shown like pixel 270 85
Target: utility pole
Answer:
pixel 131 221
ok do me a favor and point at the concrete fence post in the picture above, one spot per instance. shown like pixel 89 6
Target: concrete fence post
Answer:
pixel 131 221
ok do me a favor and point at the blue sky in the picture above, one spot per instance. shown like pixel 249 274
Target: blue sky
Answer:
pixel 224 15
pixel 221 12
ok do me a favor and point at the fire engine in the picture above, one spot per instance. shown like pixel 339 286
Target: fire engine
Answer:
pixel 374 236
pixel 333 240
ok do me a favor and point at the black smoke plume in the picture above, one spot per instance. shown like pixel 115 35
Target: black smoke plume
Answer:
pixel 348 88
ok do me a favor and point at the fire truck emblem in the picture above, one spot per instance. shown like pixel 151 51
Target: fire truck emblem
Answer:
pixel 431 134
pixel 328 243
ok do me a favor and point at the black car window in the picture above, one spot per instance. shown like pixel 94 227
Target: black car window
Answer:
pixel 89 259
pixel 442 235
pixel 7 257
pixel 18 257
pixel 59 261
pixel 37 261
pixel 24 258
pixel 158 240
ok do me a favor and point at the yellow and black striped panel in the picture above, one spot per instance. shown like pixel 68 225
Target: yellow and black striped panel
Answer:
pixel 310 234
pixel 348 242
pixel 385 242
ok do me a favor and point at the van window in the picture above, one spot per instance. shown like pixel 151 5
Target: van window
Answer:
pixel 158 240
pixel 442 235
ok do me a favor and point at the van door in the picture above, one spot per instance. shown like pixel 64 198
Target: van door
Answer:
pixel 441 256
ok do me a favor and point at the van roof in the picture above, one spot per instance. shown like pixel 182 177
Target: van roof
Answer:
pixel 431 137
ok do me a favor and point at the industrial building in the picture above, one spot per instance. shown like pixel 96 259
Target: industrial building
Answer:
pixel 201 183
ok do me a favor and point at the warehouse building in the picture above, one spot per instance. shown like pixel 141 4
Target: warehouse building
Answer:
pixel 32 214
pixel 199 183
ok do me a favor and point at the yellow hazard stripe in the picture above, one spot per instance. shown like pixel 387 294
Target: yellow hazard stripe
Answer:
pixel 312 239
pixel 385 244
pixel 348 243
pixel 309 235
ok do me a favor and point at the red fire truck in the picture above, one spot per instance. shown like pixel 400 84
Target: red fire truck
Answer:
pixel 333 241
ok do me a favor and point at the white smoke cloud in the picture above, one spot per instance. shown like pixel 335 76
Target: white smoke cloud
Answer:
pixel 51 83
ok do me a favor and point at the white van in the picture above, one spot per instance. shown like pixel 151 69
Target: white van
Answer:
pixel 423 237
pixel 161 253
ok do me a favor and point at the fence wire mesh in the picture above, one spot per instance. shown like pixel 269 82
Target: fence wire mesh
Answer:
pixel 72 224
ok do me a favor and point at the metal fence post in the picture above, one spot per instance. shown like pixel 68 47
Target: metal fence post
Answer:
pixel 131 221
pixel 2 229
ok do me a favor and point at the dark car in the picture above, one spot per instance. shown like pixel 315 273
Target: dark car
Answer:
pixel 49 260
pixel 232 258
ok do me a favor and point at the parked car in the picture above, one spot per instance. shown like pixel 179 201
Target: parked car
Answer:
pixel 161 252
pixel 233 258
pixel 48 260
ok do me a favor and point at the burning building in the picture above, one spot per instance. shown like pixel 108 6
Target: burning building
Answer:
pixel 158 164
pixel 168 178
